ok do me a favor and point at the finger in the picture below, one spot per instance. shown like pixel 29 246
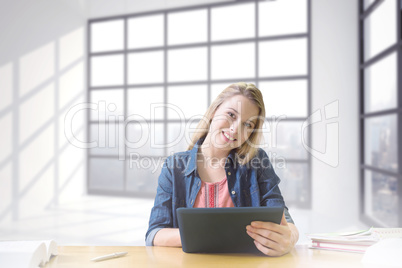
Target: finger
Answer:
pixel 280 229
pixel 284 221
pixel 268 234
pixel 267 251
pixel 264 225
pixel 263 240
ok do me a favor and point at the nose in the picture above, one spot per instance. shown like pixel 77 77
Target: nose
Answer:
pixel 234 127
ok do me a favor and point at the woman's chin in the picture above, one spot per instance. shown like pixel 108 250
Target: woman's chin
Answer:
pixel 221 142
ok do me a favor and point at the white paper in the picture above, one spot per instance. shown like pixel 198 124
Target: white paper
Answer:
pixel 386 252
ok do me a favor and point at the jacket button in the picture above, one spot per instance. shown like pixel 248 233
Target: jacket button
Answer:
pixel 233 192
pixel 229 173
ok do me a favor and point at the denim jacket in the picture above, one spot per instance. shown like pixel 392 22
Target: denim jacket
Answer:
pixel 251 185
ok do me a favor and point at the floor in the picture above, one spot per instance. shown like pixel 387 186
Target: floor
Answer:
pixel 98 220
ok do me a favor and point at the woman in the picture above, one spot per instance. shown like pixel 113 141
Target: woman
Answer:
pixel 223 167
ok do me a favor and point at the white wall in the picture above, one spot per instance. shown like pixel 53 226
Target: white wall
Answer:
pixel 335 78
pixel 42 74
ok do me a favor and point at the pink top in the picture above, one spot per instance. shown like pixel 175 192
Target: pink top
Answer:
pixel 212 195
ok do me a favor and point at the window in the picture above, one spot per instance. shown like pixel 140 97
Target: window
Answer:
pixel 144 68
pixel 380 112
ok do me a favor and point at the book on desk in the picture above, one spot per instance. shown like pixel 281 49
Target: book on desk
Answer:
pixel 353 241
pixel 26 254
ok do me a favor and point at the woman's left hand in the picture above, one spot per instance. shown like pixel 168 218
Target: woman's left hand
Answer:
pixel 272 239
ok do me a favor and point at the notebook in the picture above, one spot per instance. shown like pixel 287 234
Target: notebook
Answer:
pixel 222 230
pixel 26 254
pixel 353 241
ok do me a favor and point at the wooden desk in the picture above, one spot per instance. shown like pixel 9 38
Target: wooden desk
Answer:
pixel 301 256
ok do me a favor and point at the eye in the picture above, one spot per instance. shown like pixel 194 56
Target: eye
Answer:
pixel 248 125
pixel 231 114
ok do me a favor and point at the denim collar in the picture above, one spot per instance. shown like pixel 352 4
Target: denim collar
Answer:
pixel 192 161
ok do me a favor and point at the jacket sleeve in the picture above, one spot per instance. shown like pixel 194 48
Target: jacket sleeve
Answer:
pixel 268 182
pixel 161 213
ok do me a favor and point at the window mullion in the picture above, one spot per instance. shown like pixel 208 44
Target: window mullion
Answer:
pixel 257 81
pixel 399 114
pixel 125 101
pixel 165 77
pixel 209 57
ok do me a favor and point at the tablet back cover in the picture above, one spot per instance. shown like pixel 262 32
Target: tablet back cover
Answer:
pixel 222 230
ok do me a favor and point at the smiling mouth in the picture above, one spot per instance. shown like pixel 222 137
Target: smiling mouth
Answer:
pixel 228 137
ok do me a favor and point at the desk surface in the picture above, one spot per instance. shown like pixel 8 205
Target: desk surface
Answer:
pixel 301 256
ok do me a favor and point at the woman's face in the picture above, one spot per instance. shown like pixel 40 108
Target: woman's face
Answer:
pixel 233 122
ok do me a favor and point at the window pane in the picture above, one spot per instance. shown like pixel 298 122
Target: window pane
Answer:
pixel 106 36
pixel 380 85
pixel 282 17
pixel 147 31
pixel 187 101
pixel 277 101
pixel 109 103
pixel 381 142
pixel 187 27
pixel 187 64
pixel 229 61
pixel 179 136
pixel 140 102
pixel 106 174
pixel 293 180
pixel 145 67
pixel 143 174
pixel 284 139
pixel 110 139
pixel 381 198
pixel 107 70
pixel 233 22
pixel 283 57
pixel 380 29
pixel 216 89
pixel 145 139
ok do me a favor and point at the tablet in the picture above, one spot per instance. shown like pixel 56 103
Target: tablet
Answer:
pixel 222 230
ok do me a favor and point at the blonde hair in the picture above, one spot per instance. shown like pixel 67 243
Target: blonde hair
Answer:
pixel 248 149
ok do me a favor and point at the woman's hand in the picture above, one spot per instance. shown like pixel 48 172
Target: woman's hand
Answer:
pixel 167 237
pixel 273 239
